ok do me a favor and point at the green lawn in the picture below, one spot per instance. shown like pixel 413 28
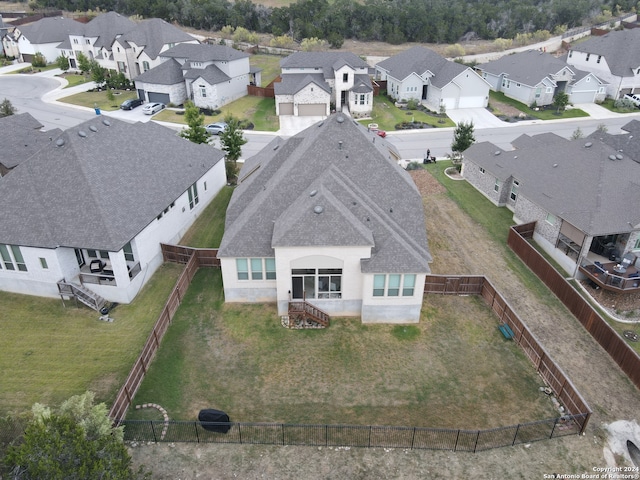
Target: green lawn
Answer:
pixel 50 352
pixel 207 230
pixel 74 80
pixel 454 369
pixel 260 111
pixel 270 65
pixel 99 99
pixel 387 115
pixel 609 104
pixel 546 114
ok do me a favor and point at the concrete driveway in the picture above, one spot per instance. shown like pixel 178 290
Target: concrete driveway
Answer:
pixel 290 124
pixel 481 117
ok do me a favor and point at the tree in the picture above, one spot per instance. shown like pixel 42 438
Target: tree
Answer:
pixel 63 63
pixel 6 108
pixel 577 134
pixel 463 138
pixel 232 140
pixel 98 73
pixel 195 132
pixel 560 101
pixel 76 442
pixel 83 62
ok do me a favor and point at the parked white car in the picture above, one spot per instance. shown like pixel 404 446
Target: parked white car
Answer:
pixel 216 128
pixel 151 108
pixel 633 98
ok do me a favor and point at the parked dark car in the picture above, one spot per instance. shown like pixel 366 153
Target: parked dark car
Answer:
pixel 131 104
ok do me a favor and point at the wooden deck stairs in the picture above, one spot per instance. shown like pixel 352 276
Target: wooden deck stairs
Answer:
pixel 81 294
pixel 304 315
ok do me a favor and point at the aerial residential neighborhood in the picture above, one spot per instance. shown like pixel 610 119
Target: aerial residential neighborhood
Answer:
pixel 336 230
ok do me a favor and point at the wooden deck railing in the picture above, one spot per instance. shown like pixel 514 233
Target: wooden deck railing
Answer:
pixel 314 313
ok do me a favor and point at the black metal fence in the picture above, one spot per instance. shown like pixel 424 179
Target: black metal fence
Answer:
pixel 352 435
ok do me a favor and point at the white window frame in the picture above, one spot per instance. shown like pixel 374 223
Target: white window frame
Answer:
pixel 192 192
pixel 394 285
pixel 11 258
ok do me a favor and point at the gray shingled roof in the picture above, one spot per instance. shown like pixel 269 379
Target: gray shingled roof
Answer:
pixel 366 199
pixel 580 184
pixel 155 33
pixel 204 53
pixel 618 47
pixel 20 138
pixel 101 190
pixel 529 68
pixel 107 27
pixel 167 73
pixel 51 30
pixel 326 61
pixel 211 74
pixel 419 60
pixel 362 84
pixel 292 83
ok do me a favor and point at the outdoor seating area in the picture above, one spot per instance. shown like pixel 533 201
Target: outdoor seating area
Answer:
pixel 100 272
pixel 614 276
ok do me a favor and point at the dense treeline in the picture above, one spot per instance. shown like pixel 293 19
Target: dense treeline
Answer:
pixel 393 21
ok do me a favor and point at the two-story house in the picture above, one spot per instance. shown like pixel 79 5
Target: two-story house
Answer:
pixel 314 82
pixel 613 57
pixel 534 77
pixel 209 75
pixel 43 36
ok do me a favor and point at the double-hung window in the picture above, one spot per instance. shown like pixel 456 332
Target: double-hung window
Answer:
pixel 12 258
pixel 193 196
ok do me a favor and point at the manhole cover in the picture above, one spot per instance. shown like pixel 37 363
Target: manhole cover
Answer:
pixel 629 335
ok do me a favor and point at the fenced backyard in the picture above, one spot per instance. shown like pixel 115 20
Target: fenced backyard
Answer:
pixel 607 337
pixel 573 421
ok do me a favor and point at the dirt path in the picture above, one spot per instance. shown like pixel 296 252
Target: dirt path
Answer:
pixel 458 246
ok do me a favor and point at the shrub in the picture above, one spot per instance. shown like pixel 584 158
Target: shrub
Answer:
pixel 414 166
pixel 412 104
pixel 502 44
pixel 455 50
pixel 282 41
pixel 312 44
pixel 38 60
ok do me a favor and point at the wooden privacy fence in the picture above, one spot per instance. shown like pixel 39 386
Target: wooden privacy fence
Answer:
pixel 605 335
pixel 557 380
pixel 192 258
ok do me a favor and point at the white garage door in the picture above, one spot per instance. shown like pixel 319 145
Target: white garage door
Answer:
pixel 582 97
pixel 312 110
pixel 286 109
pixel 471 102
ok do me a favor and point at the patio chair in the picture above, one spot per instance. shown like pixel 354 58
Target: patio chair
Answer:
pixel 96 266
pixel 628 260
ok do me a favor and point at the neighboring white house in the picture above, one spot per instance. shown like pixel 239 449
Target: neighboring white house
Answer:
pixel 535 77
pixel 311 82
pixel 140 49
pixel 43 36
pixel 327 217
pixel 209 75
pixel 95 38
pixel 582 193
pixel 421 74
pixel 93 205
pixel 613 57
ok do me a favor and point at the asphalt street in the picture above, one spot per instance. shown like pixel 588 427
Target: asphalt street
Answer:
pixel 38 94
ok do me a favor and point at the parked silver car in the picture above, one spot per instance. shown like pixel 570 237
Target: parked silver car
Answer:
pixel 151 108
pixel 216 128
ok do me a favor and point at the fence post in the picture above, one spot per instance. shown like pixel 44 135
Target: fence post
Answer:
pixel 282 428
pixel 195 425
pixel 240 434
pixel 370 427
pixel 516 435
pixel 326 435
pixel 413 437
pixel 476 445
pixel 153 430
pixel 455 447
pixel 555 422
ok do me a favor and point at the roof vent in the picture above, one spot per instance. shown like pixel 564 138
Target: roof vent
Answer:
pixel 619 157
pixel 588 145
pixel 612 157
pixel 276 147
pixel 340 145
pixel 313 193
pixel 60 142
pixel 106 122
pixel 555 165
pixel 515 156
pixel 497 152
pixel 340 119
pixel 318 209
pixel 321 123
pixel 93 128
pixel 82 134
